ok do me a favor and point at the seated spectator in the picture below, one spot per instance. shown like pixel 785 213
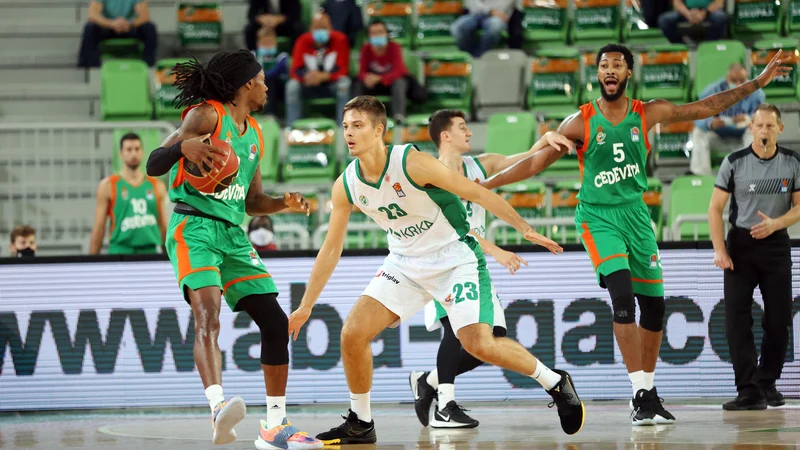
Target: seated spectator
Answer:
pixel 261 234
pixel 695 12
pixel 276 68
pixel 346 17
pixel 320 63
pixel 728 131
pixel 492 17
pixel 109 19
pixel 283 16
pixel 382 70
pixel 23 241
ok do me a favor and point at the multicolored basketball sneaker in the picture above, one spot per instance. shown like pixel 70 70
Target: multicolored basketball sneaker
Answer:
pixel 285 437
pixel 225 416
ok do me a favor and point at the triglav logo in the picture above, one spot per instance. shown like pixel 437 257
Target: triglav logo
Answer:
pixel 387 276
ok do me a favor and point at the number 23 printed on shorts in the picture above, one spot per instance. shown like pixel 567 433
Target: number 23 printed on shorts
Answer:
pixel 463 291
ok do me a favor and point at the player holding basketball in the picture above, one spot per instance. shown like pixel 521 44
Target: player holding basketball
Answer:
pixel 612 145
pixel 209 250
pixel 415 199
pixel 450 133
pixel 134 203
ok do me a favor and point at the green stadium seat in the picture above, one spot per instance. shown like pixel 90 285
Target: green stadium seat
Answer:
pixel 311 155
pixel 793 18
pixel 416 132
pixel 307 12
pixel 690 195
pixel 713 60
pixel 448 80
pixel 121 48
pixel 270 162
pixel 564 200
pixel 151 140
pixel 200 24
pixel 664 73
pixel 635 31
pixel 165 91
pixel 596 21
pixel 555 80
pixel 654 201
pixel 125 90
pixel 590 88
pixel 509 134
pixel 397 15
pixel 670 142
pixel 756 19
pixel 434 18
pixel 284 220
pixel 785 89
pixel 358 239
pixel 529 199
pixel 545 22
pixel 413 63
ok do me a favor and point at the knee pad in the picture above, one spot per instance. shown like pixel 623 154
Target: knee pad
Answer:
pixel 620 287
pixel 652 318
pixel 273 324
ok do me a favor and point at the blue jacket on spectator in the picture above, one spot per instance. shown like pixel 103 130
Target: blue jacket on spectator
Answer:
pixel 747 106
pixel 274 66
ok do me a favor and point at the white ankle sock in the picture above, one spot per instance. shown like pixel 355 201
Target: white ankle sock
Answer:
pixel 276 411
pixel 447 393
pixel 214 395
pixel 546 377
pixel 359 404
pixel 637 380
pixel 648 380
pixel 433 379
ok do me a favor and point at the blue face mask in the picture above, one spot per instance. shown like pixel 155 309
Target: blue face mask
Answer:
pixel 379 41
pixel 321 36
pixel 267 51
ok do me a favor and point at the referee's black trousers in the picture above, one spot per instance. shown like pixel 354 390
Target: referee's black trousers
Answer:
pixel 765 263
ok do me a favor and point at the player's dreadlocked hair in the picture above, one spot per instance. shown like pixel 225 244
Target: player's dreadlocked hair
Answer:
pixel 218 80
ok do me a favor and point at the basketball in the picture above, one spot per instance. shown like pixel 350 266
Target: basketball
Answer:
pixel 214 182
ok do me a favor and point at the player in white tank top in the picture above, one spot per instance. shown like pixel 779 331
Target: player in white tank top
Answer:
pixel 415 198
pixel 453 136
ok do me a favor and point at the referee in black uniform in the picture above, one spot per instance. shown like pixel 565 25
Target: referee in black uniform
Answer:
pixel 763 183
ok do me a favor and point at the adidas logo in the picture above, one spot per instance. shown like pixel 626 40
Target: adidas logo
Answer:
pixel 275 407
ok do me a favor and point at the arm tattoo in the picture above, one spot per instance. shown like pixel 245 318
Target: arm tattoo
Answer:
pixel 714 104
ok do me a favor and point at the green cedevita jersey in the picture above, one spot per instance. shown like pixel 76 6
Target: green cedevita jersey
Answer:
pixel 229 204
pixel 613 159
pixel 134 213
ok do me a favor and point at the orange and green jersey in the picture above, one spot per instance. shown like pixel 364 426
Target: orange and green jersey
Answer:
pixel 613 157
pixel 227 205
pixel 134 213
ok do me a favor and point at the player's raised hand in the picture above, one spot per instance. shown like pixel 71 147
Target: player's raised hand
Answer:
pixel 773 69
pixel 548 243
pixel 296 202
pixel 559 142
pixel 203 154
pixel 510 260
pixel 297 319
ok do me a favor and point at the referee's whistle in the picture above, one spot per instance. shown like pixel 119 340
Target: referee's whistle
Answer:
pixel 764 141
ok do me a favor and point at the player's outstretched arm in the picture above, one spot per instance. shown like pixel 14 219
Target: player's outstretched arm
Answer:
pixel 327 257
pixel 509 260
pixel 571 129
pixel 495 163
pixel 187 141
pixel 257 203
pixel 100 215
pixel 663 111
pixel 425 170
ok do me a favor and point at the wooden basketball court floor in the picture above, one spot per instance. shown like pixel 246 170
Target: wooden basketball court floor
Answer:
pixel 503 426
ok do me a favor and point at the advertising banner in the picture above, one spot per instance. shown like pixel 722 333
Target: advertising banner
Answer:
pixel 119 334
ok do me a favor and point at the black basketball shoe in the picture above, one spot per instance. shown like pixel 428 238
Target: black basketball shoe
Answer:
pixel 643 408
pixel 352 431
pixel 662 416
pixel 773 397
pixel 452 416
pixel 570 407
pixel 424 394
pixel 746 403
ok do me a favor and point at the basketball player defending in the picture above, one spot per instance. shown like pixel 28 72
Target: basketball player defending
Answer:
pixel 208 248
pixel 415 199
pixel 450 133
pixel 612 145
pixel 135 204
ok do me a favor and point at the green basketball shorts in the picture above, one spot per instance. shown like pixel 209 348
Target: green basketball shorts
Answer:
pixel 621 237
pixel 206 252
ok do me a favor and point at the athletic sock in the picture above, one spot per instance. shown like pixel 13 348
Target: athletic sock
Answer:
pixel 276 411
pixel 546 377
pixel 214 395
pixel 447 393
pixel 433 379
pixel 637 380
pixel 359 404
pixel 649 383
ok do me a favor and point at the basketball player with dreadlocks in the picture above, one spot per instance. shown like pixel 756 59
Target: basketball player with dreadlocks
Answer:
pixel 209 250
pixel 611 139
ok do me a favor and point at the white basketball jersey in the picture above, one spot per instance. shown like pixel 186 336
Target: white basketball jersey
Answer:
pixel 476 214
pixel 418 220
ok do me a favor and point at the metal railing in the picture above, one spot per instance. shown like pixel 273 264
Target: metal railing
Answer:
pixel 292 236
pixel 322 230
pixel 544 222
pixel 696 219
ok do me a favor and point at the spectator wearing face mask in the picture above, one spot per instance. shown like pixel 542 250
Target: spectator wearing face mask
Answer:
pixel 276 68
pixel 382 70
pixel 261 234
pixel 23 241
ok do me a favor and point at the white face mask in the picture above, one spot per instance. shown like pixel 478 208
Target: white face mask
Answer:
pixel 261 237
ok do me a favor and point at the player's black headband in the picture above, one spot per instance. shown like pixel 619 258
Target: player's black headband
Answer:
pixel 251 69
